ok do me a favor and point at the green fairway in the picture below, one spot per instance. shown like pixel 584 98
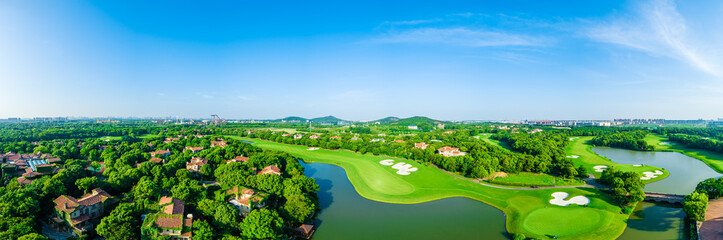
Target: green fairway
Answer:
pixel 589 159
pixel 535 179
pixel 486 137
pixel 144 136
pixel 712 159
pixel 371 179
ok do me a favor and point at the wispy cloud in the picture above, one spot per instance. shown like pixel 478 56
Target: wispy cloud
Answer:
pixel 461 36
pixel 659 29
pixel 245 98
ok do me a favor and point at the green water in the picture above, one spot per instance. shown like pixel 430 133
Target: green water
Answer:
pixel 347 215
pixel 685 172
pixel 656 221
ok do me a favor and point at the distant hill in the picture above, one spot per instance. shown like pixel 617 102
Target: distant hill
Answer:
pixel 293 119
pixel 327 119
pixel 416 120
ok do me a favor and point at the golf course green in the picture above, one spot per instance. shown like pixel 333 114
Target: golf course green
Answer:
pixel 580 147
pixel 528 211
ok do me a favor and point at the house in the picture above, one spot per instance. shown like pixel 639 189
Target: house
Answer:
pixel 335 137
pixel 164 153
pixel 412 127
pixel 298 136
pixel 77 215
pixel 221 144
pixel 536 130
pixel 249 132
pixel 29 166
pixel 150 145
pixel 399 141
pixel 449 132
pixel 450 152
pixel 273 169
pixel 421 145
pixel 246 199
pixel 378 140
pixel 156 160
pixel 440 126
pixel 304 231
pixel 194 149
pixel 285 135
pixel 355 138
pixel 241 159
pixel 169 222
pixel 200 136
pixel 196 163
pixel 314 136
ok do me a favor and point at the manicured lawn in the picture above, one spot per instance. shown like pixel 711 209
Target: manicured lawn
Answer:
pixel 486 137
pixel 589 159
pixel 116 138
pixel 712 159
pixel 600 220
pixel 535 179
pixel 148 136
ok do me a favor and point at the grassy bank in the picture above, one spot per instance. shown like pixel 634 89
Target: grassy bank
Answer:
pixel 527 211
pixel 712 159
pixel 589 159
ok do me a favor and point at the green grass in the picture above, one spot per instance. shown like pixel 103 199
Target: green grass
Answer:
pixel 713 159
pixel 116 138
pixel 602 219
pixel 486 137
pixel 144 136
pixel 589 159
pixel 535 179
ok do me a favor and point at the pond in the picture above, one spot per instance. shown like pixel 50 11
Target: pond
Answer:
pixel 656 221
pixel 685 172
pixel 347 215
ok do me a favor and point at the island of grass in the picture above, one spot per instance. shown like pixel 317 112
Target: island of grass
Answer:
pixel 526 179
pixel 528 211
pixel 661 143
pixel 587 158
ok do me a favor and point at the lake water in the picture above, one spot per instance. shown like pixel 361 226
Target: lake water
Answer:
pixel 685 172
pixel 347 215
pixel 660 221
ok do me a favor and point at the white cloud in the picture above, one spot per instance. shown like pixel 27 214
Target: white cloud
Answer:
pixel 659 29
pixel 461 36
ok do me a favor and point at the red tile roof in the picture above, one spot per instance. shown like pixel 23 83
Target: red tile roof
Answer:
pixel 273 169
pixel 171 206
pixel 446 148
pixel 238 159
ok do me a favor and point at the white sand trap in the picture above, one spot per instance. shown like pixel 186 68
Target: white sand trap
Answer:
pixel 651 175
pixel 573 156
pixel 667 143
pixel 558 198
pixel 312 149
pixel 600 168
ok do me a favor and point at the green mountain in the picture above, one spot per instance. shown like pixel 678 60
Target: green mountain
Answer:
pixel 293 119
pixel 416 120
pixel 387 120
pixel 327 119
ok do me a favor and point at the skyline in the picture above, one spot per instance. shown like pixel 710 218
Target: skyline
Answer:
pixel 361 61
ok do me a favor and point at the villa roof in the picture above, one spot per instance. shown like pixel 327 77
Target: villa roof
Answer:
pixel 273 169
pixel 155 160
pixel 171 205
pixel 197 161
pixel 96 196
pixel 79 219
pixel 446 148
pixel 304 228
pixel 238 159
pixel 169 221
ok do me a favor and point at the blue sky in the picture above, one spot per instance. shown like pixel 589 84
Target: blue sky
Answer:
pixel 365 60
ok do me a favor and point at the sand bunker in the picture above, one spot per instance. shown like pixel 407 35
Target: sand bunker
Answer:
pixel 667 143
pixel 651 175
pixel 600 168
pixel 312 149
pixel 558 198
pixel 573 156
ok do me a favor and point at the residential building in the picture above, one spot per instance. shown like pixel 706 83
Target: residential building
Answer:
pixel 314 136
pixel 164 153
pixel 156 160
pixel 354 138
pixel 378 140
pixel 421 145
pixel 298 136
pixel 335 137
pixel 412 127
pixel 273 169
pixel 440 126
pixel 450 152
pixel 304 231
pixel 77 215
pixel 221 144
pixel 196 163
pixel 169 221
pixel 241 159
pixel 246 199
pixel 194 149
pixel 399 141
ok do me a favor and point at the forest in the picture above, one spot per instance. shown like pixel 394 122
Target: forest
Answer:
pixel 138 184
pixel 693 141
pixel 633 140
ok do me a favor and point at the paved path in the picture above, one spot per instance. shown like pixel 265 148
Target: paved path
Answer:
pixel 590 183
pixel 712 227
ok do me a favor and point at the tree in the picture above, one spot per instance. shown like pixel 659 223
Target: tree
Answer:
pixel 33 236
pixel 712 187
pixel 262 224
pixel 202 230
pixel 298 208
pixel 145 189
pixel 695 205
pixel 225 216
pixel 53 188
pixel 87 184
pixel 122 223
